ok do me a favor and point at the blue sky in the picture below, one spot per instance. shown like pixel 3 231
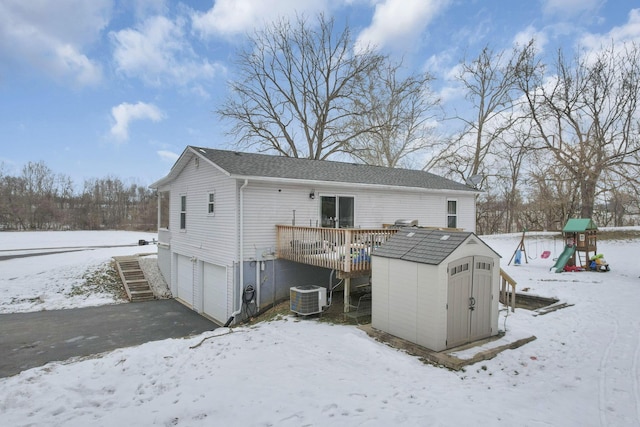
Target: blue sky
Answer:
pixel 98 88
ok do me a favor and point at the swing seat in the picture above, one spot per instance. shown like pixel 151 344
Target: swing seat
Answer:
pixel 545 254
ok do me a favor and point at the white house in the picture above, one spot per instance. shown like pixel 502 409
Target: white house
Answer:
pixel 436 288
pixel 228 220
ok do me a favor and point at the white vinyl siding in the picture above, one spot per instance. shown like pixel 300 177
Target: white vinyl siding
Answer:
pixel 211 239
pixel 268 204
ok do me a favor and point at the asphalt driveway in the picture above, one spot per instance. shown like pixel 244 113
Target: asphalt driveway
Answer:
pixel 33 339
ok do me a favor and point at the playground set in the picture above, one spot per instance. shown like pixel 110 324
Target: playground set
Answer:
pixel 580 240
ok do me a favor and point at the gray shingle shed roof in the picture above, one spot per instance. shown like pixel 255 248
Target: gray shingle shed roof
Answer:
pixel 263 165
pixel 422 245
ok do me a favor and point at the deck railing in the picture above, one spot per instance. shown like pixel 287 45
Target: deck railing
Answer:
pixel 507 296
pixel 347 250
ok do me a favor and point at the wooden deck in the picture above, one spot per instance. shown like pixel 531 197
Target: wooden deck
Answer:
pixel 346 250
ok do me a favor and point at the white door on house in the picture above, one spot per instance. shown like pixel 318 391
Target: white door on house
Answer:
pixel 469 300
pixel 184 276
pixel 214 292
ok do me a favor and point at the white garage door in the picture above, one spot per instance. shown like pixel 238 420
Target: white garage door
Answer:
pixel 184 276
pixel 214 292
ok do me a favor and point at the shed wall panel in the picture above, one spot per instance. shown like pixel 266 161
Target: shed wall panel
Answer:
pixel 430 306
pixel 380 293
pixel 403 307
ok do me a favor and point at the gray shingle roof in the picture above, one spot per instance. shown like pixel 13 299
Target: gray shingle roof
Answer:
pixel 422 245
pixel 262 165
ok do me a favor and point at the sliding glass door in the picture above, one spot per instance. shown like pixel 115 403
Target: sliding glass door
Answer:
pixel 337 211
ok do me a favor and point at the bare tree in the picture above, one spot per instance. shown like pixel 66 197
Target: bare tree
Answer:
pixel 552 198
pixel 398 117
pixel 513 154
pixel 586 114
pixel 490 84
pixel 39 194
pixel 295 89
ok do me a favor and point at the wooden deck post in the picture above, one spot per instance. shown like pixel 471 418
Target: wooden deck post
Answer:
pixel 347 294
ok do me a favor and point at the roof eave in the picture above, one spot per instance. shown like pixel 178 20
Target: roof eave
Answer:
pixel 188 153
pixel 350 184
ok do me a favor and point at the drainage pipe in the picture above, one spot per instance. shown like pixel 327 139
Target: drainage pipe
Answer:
pixel 241 227
pixel 258 284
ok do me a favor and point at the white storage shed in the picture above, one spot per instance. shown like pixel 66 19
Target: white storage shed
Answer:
pixel 435 288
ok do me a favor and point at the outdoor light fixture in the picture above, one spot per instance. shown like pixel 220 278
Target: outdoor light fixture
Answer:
pixel 312 195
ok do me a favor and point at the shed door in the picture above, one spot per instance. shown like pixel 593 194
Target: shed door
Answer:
pixel 480 325
pixel 184 276
pixel 458 301
pixel 469 300
pixel 214 292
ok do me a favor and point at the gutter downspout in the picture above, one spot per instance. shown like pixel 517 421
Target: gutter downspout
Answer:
pixel 258 267
pixel 241 226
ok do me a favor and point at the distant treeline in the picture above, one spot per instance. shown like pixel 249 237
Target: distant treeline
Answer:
pixel 39 199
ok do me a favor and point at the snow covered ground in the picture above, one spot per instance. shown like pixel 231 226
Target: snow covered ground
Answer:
pixel 583 369
pixel 34 283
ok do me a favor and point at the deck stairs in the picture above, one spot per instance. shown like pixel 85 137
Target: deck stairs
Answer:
pixel 135 283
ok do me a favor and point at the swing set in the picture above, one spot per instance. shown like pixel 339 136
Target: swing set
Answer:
pixel 521 250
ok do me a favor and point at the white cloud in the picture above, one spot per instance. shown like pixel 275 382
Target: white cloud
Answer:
pixel 629 32
pixel 397 21
pixel 143 8
pixel 232 17
pixel 168 156
pixel 158 53
pixel 567 8
pixel 49 36
pixel 523 37
pixel 125 113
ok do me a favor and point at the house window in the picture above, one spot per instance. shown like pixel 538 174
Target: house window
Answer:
pixel 337 211
pixel 183 212
pixel 452 214
pixel 163 209
pixel 211 204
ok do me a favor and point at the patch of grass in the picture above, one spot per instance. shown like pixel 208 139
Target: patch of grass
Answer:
pixel 277 312
pixel 333 314
pixel 103 279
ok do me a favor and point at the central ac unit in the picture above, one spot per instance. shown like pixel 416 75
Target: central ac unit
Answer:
pixel 308 299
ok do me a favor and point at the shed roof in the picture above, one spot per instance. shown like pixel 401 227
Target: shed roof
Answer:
pixel 576 225
pixel 254 165
pixel 421 245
